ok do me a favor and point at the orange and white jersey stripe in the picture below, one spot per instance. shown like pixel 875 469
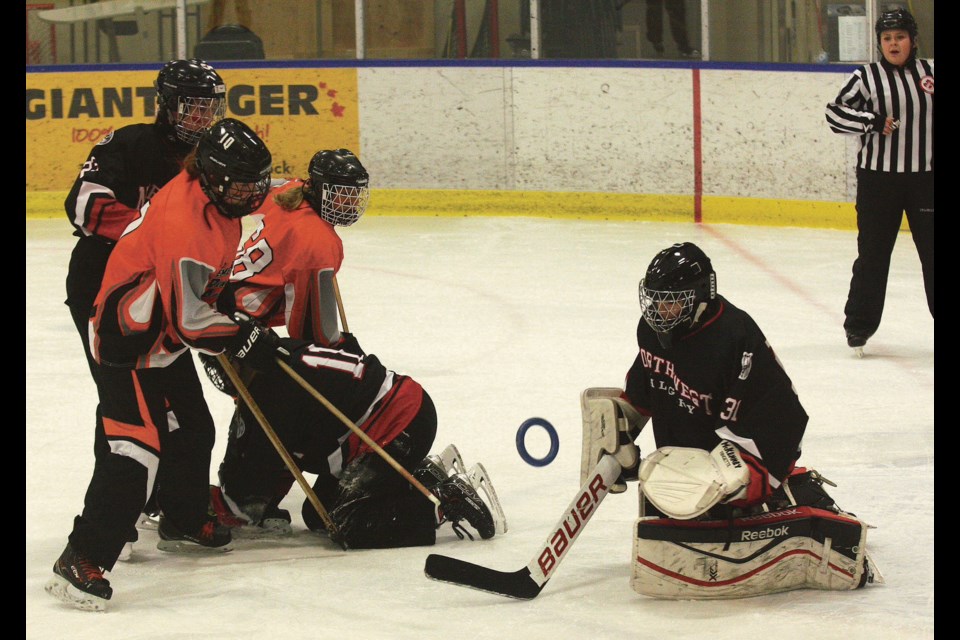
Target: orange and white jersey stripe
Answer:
pixel 163 279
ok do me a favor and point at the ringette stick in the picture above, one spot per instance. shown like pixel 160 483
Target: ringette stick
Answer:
pixel 527 583
pixel 359 432
pixel 343 314
pixel 277 444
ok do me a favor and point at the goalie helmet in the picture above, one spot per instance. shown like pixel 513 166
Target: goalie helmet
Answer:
pixel 235 167
pixel 678 286
pixel 897 19
pixel 191 96
pixel 338 188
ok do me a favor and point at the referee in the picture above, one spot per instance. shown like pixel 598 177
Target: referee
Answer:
pixel 888 105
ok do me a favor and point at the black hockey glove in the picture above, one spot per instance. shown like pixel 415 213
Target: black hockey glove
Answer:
pixel 255 345
pixel 348 342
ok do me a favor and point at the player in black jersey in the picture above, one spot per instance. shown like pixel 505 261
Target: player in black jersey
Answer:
pixel 128 167
pixel 705 373
pixel 370 503
pixel 728 426
pixel 121 173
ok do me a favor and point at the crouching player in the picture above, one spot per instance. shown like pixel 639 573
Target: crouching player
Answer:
pixel 724 510
pixel 370 503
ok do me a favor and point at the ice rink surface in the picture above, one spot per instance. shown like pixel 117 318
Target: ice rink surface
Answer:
pixel 503 319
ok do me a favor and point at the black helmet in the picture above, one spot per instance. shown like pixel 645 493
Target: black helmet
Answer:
pixel 338 187
pixel 191 96
pixel 235 167
pixel 897 19
pixel 678 286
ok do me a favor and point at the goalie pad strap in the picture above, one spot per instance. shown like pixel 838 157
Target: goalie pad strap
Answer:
pixel 735 474
pixel 797 548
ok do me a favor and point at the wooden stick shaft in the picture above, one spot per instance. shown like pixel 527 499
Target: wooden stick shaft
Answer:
pixel 359 432
pixel 343 314
pixel 277 444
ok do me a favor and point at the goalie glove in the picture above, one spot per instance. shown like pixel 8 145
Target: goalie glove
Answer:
pixel 610 425
pixel 684 483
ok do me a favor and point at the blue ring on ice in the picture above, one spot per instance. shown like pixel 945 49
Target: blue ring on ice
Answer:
pixel 522 447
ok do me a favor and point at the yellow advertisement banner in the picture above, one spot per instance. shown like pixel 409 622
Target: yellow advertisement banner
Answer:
pixel 296 111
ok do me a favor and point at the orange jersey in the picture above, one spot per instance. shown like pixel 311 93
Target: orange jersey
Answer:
pixel 163 279
pixel 277 272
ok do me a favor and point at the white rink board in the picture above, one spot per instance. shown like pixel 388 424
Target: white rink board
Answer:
pixel 615 130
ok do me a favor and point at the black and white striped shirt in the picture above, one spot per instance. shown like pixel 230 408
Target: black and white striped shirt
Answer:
pixel 880 89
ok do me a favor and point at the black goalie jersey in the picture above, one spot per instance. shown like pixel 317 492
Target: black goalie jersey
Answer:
pixel 720 381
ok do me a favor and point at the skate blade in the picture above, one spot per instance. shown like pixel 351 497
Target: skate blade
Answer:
pixel 187 547
pixel 147 522
pixel 480 480
pixel 126 553
pixel 875 576
pixel 270 529
pixel 61 589
pixel 451 460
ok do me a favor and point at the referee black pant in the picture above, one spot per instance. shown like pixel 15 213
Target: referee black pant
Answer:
pixel 882 199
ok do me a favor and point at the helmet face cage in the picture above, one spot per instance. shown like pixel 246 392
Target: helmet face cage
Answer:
pixel 665 310
pixel 194 115
pixel 190 97
pixel 235 168
pixel 678 285
pixel 235 199
pixel 343 204
pixel 338 187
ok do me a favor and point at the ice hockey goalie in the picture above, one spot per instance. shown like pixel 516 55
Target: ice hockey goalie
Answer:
pixel 793 548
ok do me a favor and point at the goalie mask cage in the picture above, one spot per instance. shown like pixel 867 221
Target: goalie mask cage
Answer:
pixel 41 37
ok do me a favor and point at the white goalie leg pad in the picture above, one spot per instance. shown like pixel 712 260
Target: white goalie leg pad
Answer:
pixel 684 483
pixel 605 417
pixel 796 548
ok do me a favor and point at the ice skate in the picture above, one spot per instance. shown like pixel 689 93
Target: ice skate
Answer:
pixel 79 582
pixel 480 480
pixel 437 468
pixel 461 499
pixel 856 342
pixel 211 537
pixel 871 572
pixel 274 522
pixel 126 554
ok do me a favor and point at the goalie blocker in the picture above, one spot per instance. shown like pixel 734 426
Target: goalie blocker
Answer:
pixel 610 426
pixel 795 548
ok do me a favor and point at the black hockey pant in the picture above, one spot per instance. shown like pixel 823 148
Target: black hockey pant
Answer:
pixel 377 508
pixel 88 261
pixel 882 199
pixel 146 412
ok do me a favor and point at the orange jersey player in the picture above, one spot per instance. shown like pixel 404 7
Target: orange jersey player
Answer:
pixel 158 300
pixel 283 274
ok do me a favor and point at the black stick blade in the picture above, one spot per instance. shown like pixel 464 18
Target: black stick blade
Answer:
pixel 513 584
